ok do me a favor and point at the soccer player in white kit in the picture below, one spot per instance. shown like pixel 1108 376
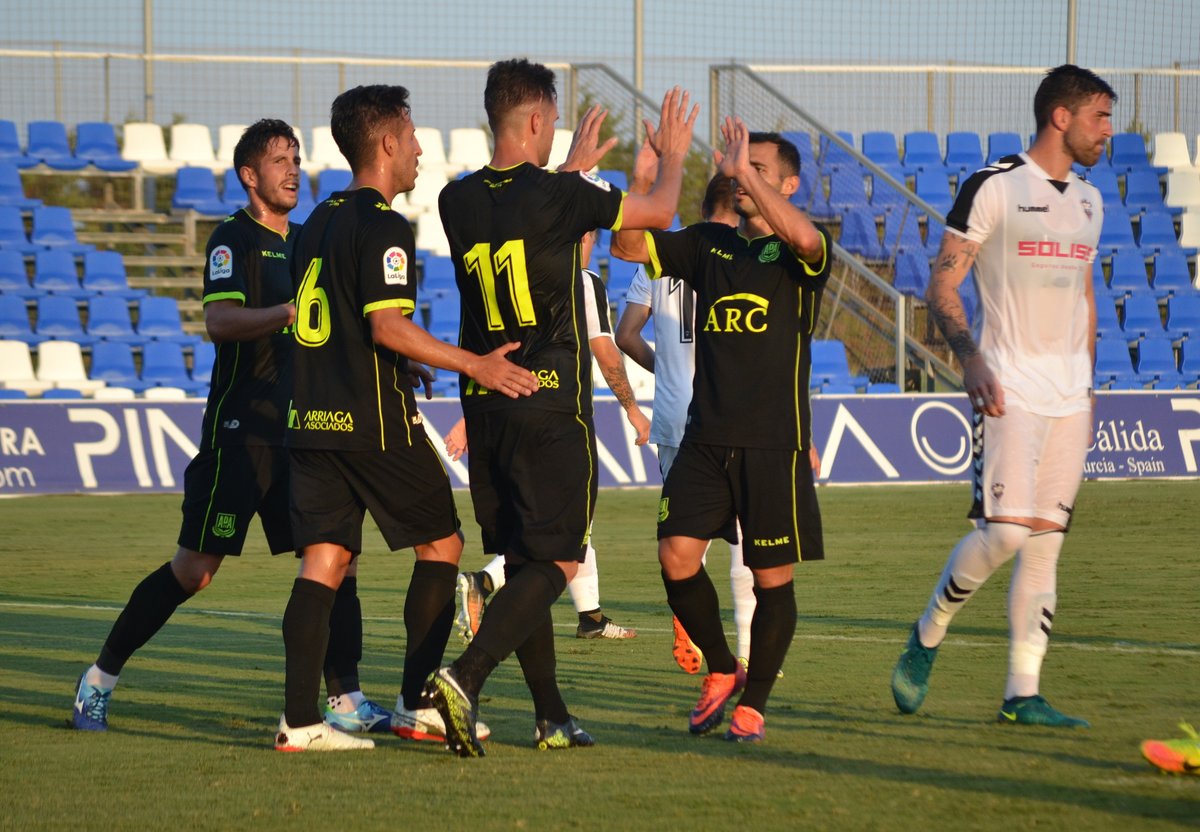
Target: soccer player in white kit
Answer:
pixel 672 359
pixel 1030 227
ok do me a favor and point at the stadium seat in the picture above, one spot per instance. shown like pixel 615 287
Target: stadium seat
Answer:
pixel 1113 362
pixel 1142 318
pixel 1143 193
pixel 1001 144
pixel 304 199
pixel 935 229
pixel 12 190
pixel 96 143
pixel 1189 230
pixel 14 320
pixel 445 318
pixel 114 394
pixel 859 235
pixel 55 272
pixel 880 147
pixel 58 320
pixel 192 147
pixel 922 153
pixel 834 157
pixel 63 394
pixel 1171 275
pixel 16 369
pixel 325 151
pixel 14 278
pixel 886 197
pixel 847 189
pixel 1183 318
pixel 61 364
pixel 1108 324
pixel 1106 183
pixel 228 135
pixel 12 232
pixel 964 153
pixel 912 274
pixel 204 354
pixel 902 231
pixel 1171 152
pixel 838 388
pixel 560 147
pixel 158 318
pixel 437 276
pixel 433 151
pixel 233 195
pixel 53 227
pixel 163 365
pixel 829 364
pixel 1156 364
pixel 810 198
pixel 196 190
pixel 1183 190
pixel 431 237
pixel 970 298
pixel 1157 233
pixel 10 147
pixel 307 165
pixel 1116 234
pixel 878 387
pixel 1129 153
pixel 423 198
pixel 1189 361
pixel 112 363
pixel 48 144
pixel 108 319
pixel 469 149
pixel 165 394
pixel 104 272
pixel 332 180
pixel 144 144
pixel 620 275
pixel 933 187
pixel 1128 275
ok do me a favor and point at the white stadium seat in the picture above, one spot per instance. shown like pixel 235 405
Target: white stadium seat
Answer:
pixel 16 369
pixel 469 149
pixel 562 144
pixel 325 150
pixel 61 364
pixel 1171 151
pixel 191 146
pixel 227 139
pixel 144 144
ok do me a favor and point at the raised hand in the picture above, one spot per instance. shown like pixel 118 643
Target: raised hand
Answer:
pixel 645 166
pixel 673 136
pixel 586 152
pixel 735 160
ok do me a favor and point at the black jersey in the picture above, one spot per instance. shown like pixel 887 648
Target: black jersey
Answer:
pixel 756 305
pixel 249 263
pixel 354 255
pixel 514 238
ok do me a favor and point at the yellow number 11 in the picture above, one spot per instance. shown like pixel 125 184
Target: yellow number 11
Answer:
pixel 485 265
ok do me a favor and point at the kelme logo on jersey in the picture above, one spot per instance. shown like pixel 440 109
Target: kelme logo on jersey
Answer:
pixel 336 420
pixel 770 252
pixel 664 509
pixel 395 267
pixel 742 312
pixel 220 263
pixel 225 526
pixel 547 379
pixel 602 184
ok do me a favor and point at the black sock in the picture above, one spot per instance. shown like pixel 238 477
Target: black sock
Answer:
pixel 149 607
pixel 428 617
pixel 539 665
pixel 345 640
pixel 305 637
pixel 694 602
pixel 771 632
pixel 512 615
pixel 592 619
pixel 487 586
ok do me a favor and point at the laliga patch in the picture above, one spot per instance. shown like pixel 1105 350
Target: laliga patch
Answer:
pixel 220 263
pixel 602 184
pixel 395 267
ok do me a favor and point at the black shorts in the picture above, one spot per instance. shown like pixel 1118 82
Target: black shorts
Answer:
pixel 224 488
pixel 710 488
pixel 406 491
pixel 533 482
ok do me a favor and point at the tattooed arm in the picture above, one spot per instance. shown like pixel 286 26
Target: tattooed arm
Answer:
pixel 612 365
pixel 953 264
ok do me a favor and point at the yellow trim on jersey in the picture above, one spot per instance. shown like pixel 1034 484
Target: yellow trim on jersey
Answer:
pixel 490 166
pixel 282 234
pixel 403 304
pixel 379 401
pixel 757 300
pixel 654 269
pixel 240 296
pixel 587 435
pixel 403 400
pixel 750 240
pixel 616 226
pixel 795 502
pixel 814 271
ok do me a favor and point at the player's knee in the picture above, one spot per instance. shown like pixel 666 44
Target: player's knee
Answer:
pixel 194 570
pixel 1003 540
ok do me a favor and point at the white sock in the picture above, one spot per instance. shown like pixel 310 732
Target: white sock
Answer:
pixel 741 581
pixel 585 586
pixel 98 678
pixel 1031 601
pixel 972 562
pixel 346 703
pixel 495 571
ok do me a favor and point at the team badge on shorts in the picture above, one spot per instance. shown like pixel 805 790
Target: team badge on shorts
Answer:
pixel 395 267
pixel 997 491
pixel 225 526
pixel 664 509
pixel 770 252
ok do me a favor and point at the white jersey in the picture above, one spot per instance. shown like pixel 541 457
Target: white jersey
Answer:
pixel 673 312
pixel 595 307
pixel 1037 244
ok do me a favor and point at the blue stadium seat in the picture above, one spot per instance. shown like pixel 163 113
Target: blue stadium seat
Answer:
pixel 1156 363
pixel 14 279
pixel 1128 274
pixel 833 157
pixel 53 227
pixel 445 318
pixel 96 143
pixel 1189 361
pixel 233 195
pixel 934 187
pixel 847 189
pixel 14 320
pixel 330 181
pixel 108 319
pixel 829 364
pixel 1142 318
pixel 1108 324
pixel 54 271
pixel 860 236
pixel 12 232
pixel 58 319
pixel 1106 183
pixel 1113 362
pixel 1143 193
pixel 48 143
pixel 1001 144
pixel 620 275
pixel 62 393
pixel 112 363
pixel 802 139
pixel 196 190
pixel 1156 233
pixel 10 147
pixel 912 273
pixel 1171 275
pixel 1129 153
pixel 163 365
pixel 158 319
pixel 934 231
pixel 304 199
pixel 204 355
pixel 880 147
pixel 922 153
pixel 104 272
pixel 12 190
pixel 964 153
pixel 902 231
pixel 437 277
pixel 886 197
pixel 883 387
pixel 1116 235
pixel 970 298
pixel 10 394
pixel 1183 319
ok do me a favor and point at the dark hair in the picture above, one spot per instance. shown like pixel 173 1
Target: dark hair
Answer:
pixel 358 115
pixel 255 140
pixel 718 196
pixel 788 154
pixel 1067 86
pixel 513 83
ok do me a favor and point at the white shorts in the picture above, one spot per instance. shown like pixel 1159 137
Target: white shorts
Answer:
pixel 1028 465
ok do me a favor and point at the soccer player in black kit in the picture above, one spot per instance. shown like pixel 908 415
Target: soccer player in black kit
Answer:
pixel 356 438
pixel 745 452
pixel 514 232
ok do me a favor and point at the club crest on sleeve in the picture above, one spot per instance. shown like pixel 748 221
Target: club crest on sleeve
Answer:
pixel 395 267
pixel 602 184
pixel 220 263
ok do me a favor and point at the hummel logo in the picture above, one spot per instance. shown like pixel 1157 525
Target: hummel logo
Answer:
pixel 1034 209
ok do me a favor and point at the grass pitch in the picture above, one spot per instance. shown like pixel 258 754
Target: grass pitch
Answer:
pixel 189 743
